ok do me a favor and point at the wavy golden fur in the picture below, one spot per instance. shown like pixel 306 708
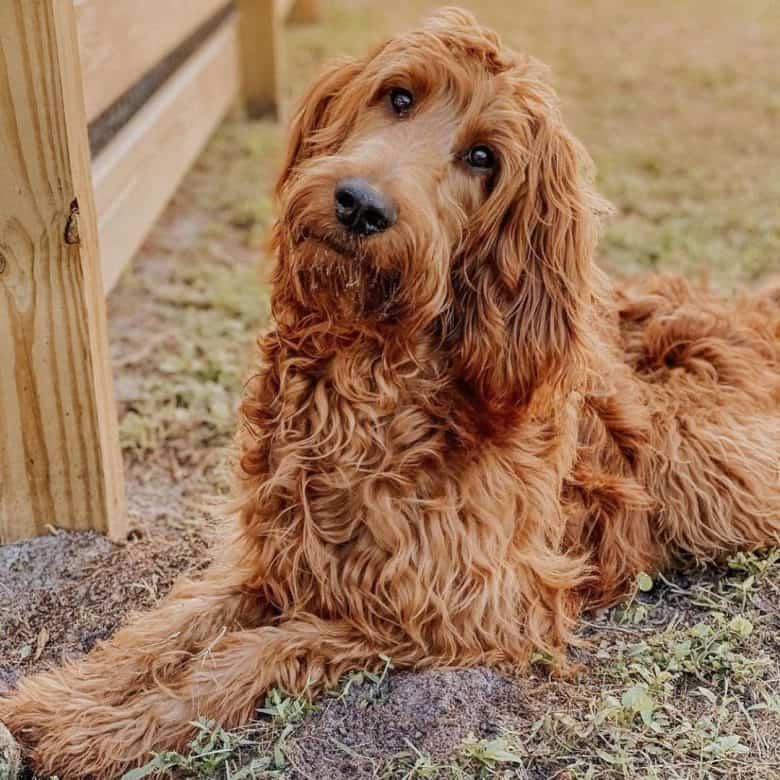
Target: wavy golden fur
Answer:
pixel 459 435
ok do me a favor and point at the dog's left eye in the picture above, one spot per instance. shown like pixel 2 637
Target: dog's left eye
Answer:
pixel 401 100
pixel 481 157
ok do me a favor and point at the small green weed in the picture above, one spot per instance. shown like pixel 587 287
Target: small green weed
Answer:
pixel 209 755
pixel 287 713
pixel 709 651
pixel 378 681
pixel 481 758
pixel 413 764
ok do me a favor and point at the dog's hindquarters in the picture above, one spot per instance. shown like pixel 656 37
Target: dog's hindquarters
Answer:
pixel 718 484
pixel 709 373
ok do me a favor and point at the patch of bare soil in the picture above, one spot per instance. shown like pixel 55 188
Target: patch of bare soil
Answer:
pixel 64 592
pixel 431 712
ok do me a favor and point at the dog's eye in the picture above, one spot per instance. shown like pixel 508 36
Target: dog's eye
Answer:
pixel 401 100
pixel 481 157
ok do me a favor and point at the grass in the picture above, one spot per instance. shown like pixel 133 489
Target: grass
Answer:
pixel 185 316
pixel 679 105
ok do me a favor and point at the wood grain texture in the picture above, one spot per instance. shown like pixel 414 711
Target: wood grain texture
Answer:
pixel 60 462
pixel 136 175
pixel 260 23
pixel 305 11
pixel 120 40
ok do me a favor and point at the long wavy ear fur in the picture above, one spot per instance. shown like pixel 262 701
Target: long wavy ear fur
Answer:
pixel 524 295
pixel 312 130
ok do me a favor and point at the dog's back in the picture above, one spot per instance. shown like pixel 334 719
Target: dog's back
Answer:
pixel 708 370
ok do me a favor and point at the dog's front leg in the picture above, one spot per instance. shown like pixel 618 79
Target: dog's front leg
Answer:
pixel 76 735
pixel 141 658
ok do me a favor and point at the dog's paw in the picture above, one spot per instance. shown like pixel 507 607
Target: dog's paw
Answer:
pixel 67 731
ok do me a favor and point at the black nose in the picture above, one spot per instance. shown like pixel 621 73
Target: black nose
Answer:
pixel 362 209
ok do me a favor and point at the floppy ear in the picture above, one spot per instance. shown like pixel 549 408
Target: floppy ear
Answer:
pixel 525 293
pixel 312 129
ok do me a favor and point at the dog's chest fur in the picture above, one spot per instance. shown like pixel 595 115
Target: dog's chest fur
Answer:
pixel 363 485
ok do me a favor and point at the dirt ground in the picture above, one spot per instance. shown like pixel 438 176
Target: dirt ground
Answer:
pixel 679 103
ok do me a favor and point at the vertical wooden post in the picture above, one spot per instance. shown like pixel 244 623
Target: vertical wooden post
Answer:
pixel 60 462
pixel 260 38
pixel 305 11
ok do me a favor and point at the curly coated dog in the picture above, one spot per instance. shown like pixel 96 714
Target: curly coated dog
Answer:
pixel 459 435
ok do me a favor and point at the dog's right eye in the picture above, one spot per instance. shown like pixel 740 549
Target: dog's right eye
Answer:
pixel 401 101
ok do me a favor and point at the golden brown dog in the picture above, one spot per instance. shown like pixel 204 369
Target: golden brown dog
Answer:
pixel 458 435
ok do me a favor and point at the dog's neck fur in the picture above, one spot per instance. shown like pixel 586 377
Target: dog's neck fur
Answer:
pixel 366 453
pixel 347 428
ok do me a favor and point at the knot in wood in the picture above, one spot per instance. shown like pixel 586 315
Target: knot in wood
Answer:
pixel 72 225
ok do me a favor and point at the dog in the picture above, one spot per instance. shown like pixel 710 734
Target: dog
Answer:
pixel 460 434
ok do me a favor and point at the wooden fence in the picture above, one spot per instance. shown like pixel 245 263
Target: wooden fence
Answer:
pixel 104 105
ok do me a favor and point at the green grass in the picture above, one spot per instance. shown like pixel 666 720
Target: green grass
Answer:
pixel 210 305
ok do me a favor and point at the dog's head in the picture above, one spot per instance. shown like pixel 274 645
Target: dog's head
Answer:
pixel 433 185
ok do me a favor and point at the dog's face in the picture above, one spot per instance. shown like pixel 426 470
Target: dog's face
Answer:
pixel 433 182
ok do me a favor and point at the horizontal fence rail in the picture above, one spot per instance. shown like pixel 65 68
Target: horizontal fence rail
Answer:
pixel 121 40
pixel 138 172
